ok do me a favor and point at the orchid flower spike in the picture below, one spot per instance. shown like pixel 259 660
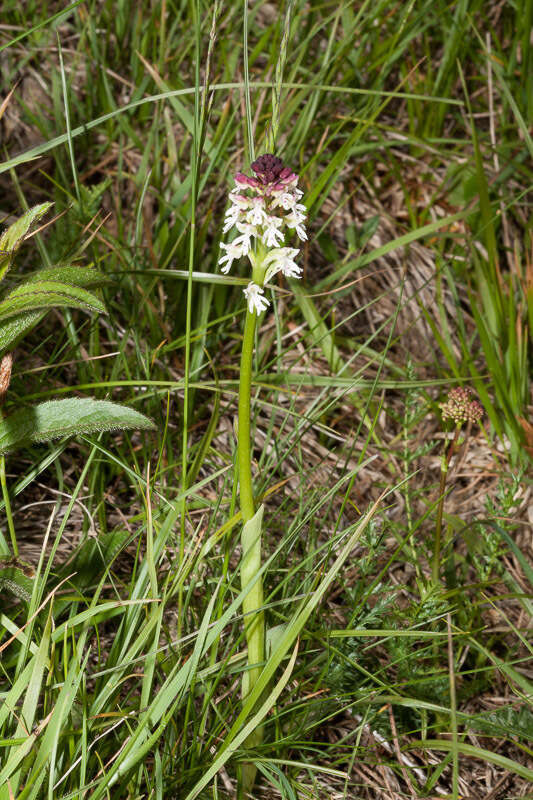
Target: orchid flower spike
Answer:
pixel 264 208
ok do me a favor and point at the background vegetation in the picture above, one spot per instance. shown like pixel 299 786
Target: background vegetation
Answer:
pixel 121 635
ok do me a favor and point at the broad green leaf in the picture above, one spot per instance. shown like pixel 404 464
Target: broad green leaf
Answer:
pixel 251 548
pixel 67 418
pixel 72 275
pixel 10 237
pixel 16 232
pixel 252 604
pixel 47 294
pixel 14 329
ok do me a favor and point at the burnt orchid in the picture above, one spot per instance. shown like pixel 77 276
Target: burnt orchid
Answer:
pixel 263 209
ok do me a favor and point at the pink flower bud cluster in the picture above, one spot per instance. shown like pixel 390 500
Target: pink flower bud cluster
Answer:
pixel 460 406
pixel 262 208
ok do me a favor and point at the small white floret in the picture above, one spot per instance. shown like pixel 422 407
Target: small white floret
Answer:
pixel 295 220
pixel 256 215
pixel 230 218
pixel 247 231
pixel 286 200
pixel 233 252
pixel 255 298
pixel 281 259
pixel 272 236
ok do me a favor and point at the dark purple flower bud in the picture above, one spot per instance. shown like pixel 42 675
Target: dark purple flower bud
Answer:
pixel 268 168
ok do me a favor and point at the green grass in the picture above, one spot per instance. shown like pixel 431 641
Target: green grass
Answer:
pixel 121 631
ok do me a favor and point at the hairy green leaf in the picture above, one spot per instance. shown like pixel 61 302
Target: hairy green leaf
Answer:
pixel 13 329
pixel 72 275
pixel 16 577
pixel 69 417
pixel 16 232
pixel 47 294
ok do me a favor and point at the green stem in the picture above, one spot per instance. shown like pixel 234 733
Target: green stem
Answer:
pixel 254 618
pixel 243 436
pixel 254 621
pixel 7 505
pixel 446 458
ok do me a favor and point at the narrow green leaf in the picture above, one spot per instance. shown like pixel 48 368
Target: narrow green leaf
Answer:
pixel 28 712
pixel 318 328
pixel 476 752
pixel 524 563
pixel 168 695
pixel 67 418
pixel 225 753
pixel 18 756
pixel 285 642
pixel 205 443
pixel 11 698
pixel 48 742
pixel 394 244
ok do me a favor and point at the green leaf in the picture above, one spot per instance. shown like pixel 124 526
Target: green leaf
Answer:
pixel 27 715
pixel 12 330
pixel 12 236
pixel 67 418
pixel 16 232
pixel 72 275
pixel 45 748
pixel 475 752
pixel 11 698
pixel 16 577
pixel 505 721
pixel 47 294
pixel 92 558
pixel 321 335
